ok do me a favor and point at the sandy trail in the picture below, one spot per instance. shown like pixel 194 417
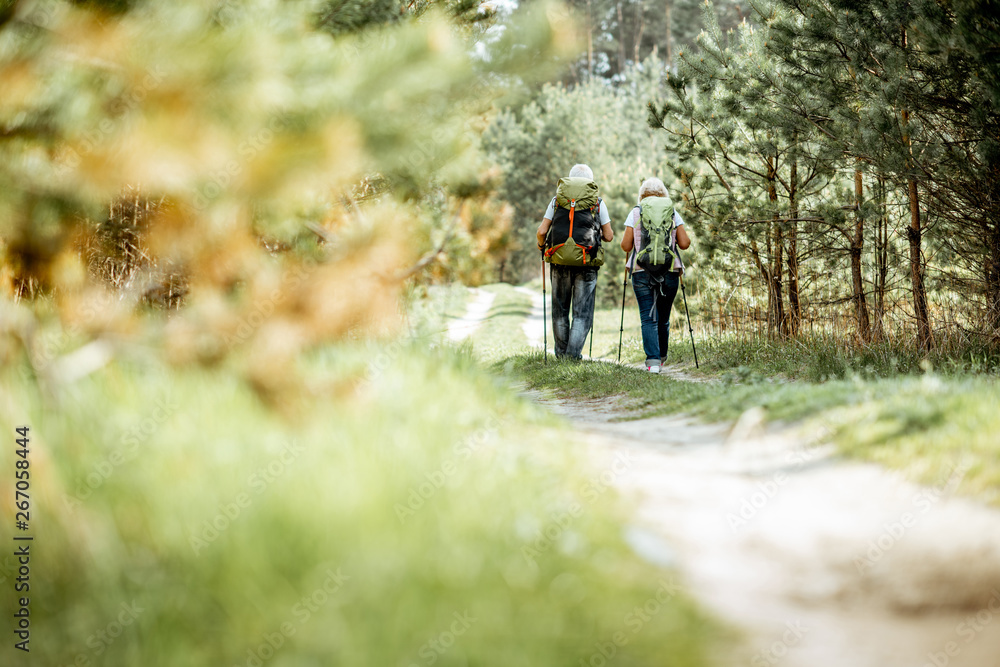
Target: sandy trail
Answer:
pixel 821 562
pixel 476 312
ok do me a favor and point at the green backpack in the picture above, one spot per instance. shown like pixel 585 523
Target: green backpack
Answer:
pixel 657 219
pixel 574 239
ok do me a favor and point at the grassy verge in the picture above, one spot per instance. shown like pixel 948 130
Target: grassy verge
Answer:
pixel 432 308
pixel 501 333
pixel 924 425
pixel 818 358
pixel 607 324
pixel 406 510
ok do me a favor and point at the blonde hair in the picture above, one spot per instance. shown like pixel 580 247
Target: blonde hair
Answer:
pixel 652 187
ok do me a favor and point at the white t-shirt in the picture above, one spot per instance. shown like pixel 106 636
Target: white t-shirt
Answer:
pixel 602 212
pixel 633 221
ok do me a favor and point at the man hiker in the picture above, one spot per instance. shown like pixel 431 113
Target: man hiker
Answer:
pixel 655 230
pixel 569 237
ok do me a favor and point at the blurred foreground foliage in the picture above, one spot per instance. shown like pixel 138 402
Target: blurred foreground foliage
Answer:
pixel 240 156
pixel 356 536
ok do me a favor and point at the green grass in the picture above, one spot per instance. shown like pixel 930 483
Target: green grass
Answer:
pixel 924 425
pixel 430 309
pixel 822 357
pixel 432 487
pixel 501 333
pixel 607 324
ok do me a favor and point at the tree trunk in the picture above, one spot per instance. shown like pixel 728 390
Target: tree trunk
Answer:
pixel 917 270
pixel 794 309
pixel 621 40
pixel 640 19
pixel 881 263
pixel 770 279
pixel 776 321
pixel 857 245
pixel 590 41
pixel 913 234
pixel 765 272
pixel 670 35
pixel 993 281
pixel 777 273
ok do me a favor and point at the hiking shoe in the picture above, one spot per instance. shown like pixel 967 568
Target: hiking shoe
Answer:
pixel 653 368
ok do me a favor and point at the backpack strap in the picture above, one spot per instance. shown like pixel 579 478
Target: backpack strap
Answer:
pixel 572 210
pixel 673 229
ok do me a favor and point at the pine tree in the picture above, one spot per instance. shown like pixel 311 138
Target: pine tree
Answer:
pixel 738 112
pixel 878 101
pixel 923 112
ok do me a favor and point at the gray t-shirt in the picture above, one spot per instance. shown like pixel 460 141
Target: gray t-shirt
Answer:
pixel 593 234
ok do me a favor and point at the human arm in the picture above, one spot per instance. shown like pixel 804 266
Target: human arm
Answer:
pixel 628 240
pixel 683 240
pixel 543 230
pixel 607 234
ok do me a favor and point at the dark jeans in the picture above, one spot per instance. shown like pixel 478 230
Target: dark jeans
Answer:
pixel 655 301
pixel 572 287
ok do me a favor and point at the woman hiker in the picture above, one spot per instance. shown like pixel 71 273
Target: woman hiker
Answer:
pixel 654 290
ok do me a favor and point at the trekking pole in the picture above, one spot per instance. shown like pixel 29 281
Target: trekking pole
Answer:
pixel 545 328
pixel 690 328
pixel 591 340
pixel 621 330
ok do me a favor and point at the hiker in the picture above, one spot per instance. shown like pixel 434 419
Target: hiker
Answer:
pixel 569 237
pixel 656 268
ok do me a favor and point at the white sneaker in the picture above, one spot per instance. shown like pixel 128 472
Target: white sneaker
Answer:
pixel 655 368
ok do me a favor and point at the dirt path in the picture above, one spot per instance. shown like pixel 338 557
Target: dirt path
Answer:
pixel 475 313
pixel 819 561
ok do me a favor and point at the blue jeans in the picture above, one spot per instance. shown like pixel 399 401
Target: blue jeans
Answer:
pixel 655 301
pixel 573 288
